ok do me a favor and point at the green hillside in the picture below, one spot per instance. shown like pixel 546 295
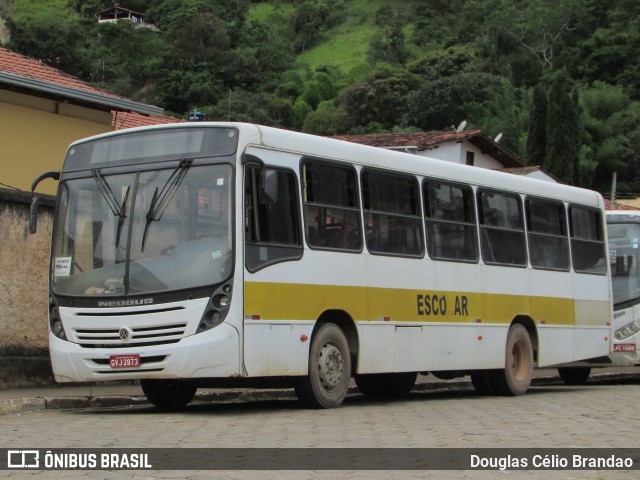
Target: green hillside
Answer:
pixel 560 80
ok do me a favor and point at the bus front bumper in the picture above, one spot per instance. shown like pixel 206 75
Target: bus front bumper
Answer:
pixel 212 354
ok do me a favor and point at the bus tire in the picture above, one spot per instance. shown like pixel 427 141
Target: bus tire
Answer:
pixel 168 394
pixel 515 378
pixel 482 382
pixel 327 383
pixel 386 384
pixel 574 376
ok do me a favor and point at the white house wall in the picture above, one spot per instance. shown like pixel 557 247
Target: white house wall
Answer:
pixel 457 153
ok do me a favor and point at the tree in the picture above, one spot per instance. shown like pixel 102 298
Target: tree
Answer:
pixel 380 98
pixel 310 19
pixel 444 63
pixel 611 122
pixel 537 132
pixel 538 26
pixel 58 42
pixel 328 119
pixel 445 102
pixel 388 45
pixel 563 135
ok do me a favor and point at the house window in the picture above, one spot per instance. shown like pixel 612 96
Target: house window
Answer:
pixel 470 159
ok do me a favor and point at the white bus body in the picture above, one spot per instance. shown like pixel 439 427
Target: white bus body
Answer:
pixel 193 254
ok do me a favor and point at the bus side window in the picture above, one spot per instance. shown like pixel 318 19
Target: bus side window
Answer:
pixel 392 214
pixel 502 229
pixel 547 233
pixel 587 241
pixel 272 229
pixel 451 222
pixel 331 206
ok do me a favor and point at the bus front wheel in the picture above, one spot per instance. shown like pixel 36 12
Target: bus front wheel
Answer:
pixel 168 394
pixel 327 383
pixel 516 376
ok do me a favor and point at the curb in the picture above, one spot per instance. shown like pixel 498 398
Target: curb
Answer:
pixel 27 405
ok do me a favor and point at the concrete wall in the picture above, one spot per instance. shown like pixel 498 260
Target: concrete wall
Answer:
pixel 24 266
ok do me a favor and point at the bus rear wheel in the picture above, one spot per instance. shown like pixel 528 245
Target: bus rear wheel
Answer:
pixel 386 384
pixel 327 383
pixel 574 376
pixel 168 394
pixel 515 378
pixel 482 381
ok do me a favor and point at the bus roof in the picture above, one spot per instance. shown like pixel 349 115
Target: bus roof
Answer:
pixel 334 149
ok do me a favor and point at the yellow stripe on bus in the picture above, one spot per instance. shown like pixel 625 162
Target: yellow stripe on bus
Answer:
pixel 288 302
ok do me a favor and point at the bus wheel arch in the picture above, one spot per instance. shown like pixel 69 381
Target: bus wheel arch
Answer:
pixel 332 349
pixel 528 323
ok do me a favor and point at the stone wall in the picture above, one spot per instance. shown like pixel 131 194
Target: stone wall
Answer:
pixel 24 266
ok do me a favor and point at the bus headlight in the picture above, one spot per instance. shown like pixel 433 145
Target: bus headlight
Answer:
pixel 55 322
pixel 217 309
pixel 627 330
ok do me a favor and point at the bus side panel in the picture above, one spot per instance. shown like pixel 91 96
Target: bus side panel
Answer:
pixel 555 344
pixel 569 344
pixel 438 346
pixel 450 347
pixel 276 349
pixel 592 303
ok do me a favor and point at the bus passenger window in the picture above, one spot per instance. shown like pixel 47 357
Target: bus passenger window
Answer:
pixel 547 233
pixel 392 214
pixel 502 229
pixel 587 241
pixel 451 222
pixel 331 207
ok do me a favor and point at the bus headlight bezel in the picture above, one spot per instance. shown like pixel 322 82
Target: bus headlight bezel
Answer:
pixel 627 330
pixel 55 321
pixel 217 309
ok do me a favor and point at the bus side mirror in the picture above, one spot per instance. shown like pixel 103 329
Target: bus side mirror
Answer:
pixel 33 214
pixel 35 200
pixel 268 186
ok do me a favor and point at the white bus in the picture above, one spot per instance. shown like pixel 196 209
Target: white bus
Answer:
pixel 217 254
pixel 623 231
pixel 623 228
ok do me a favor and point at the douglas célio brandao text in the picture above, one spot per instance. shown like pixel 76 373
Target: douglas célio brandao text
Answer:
pixel 550 462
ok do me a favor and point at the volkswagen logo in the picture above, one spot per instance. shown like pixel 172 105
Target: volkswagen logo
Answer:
pixel 125 333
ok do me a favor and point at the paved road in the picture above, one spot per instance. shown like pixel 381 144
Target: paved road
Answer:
pixel 547 417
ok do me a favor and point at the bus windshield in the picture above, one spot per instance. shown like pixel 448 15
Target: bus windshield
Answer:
pixel 624 242
pixel 143 232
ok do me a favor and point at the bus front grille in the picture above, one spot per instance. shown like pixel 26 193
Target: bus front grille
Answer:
pixel 129 337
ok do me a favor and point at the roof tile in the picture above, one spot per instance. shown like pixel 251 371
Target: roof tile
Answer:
pixel 17 64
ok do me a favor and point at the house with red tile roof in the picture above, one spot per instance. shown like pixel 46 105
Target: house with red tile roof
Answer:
pixel 43 110
pixel 471 147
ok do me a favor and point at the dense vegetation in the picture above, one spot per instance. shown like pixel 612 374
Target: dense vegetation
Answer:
pixel 560 79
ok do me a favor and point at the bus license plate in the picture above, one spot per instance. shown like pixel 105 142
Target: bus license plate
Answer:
pixel 624 347
pixel 124 361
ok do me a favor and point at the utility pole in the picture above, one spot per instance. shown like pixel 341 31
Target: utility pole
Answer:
pixel 613 189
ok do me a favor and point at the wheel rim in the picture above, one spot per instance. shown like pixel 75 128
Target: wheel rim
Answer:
pixel 330 366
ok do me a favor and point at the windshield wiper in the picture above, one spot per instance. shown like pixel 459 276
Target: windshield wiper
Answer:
pixel 118 209
pixel 161 200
